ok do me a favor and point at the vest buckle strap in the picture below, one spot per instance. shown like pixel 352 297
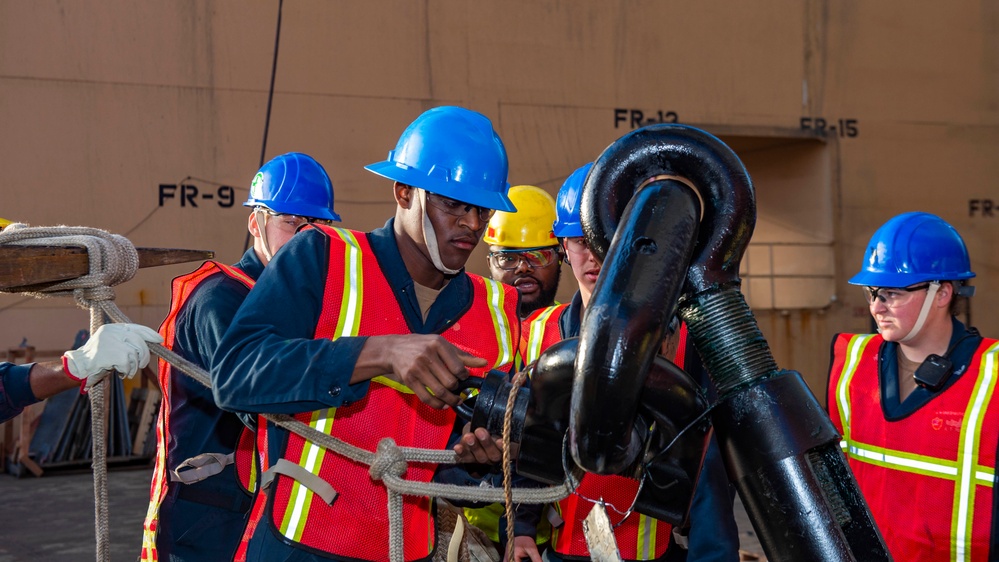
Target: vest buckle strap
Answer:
pixel 296 472
pixel 201 467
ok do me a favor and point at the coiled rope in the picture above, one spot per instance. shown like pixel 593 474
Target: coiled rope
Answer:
pixel 113 260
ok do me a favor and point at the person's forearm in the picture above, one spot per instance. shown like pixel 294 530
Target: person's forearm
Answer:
pixel 48 379
pixel 373 361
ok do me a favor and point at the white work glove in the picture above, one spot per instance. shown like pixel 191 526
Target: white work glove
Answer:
pixel 119 347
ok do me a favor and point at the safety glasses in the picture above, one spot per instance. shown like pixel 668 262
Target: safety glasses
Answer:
pixel 457 208
pixel 892 297
pixel 533 259
pixel 291 223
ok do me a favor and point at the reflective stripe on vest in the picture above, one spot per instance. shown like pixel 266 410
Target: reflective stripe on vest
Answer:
pixel 537 328
pixel 347 323
pixel 358 302
pixel 181 289
pixel 964 469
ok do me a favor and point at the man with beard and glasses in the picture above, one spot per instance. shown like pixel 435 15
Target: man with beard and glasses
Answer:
pixel 523 250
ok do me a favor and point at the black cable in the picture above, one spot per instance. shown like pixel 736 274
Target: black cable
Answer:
pixel 270 101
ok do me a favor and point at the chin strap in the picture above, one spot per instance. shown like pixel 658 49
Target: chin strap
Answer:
pixel 260 216
pixel 923 312
pixel 430 238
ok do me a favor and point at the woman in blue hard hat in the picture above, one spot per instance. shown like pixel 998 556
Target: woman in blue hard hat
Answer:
pixel 205 471
pixel 914 401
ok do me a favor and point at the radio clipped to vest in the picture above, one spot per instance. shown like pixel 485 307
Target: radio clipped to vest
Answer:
pixel 934 372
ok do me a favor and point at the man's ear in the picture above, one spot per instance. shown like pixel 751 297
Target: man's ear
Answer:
pixel 251 225
pixel 404 194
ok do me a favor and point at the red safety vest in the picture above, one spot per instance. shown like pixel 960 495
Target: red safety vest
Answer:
pixel 359 301
pixel 638 537
pixel 928 478
pixel 182 288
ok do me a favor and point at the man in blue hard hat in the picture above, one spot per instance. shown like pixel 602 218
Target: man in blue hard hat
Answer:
pixel 914 402
pixel 366 336
pixel 205 476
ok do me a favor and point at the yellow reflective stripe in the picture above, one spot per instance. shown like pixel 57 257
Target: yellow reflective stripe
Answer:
pixel 903 461
pixel 159 482
pixel 383 380
pixel 967 454
pixel 348 322
pixel 295 515
pixel 431 530
pixel 537 334
pixel 646 548
pixel 854 351
pixel 347 325
pixel 495 296
pixel 251 482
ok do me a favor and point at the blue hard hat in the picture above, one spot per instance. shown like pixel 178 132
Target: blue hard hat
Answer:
pixel 567 224
pixel 293 184
pixel 913 248
pixel 454 152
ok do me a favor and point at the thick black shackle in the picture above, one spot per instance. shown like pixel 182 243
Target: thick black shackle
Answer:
pixel 780 448
pixel 647 229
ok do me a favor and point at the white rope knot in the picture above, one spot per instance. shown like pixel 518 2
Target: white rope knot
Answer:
pixel 113 258
pixel 87 296
pixel 388 460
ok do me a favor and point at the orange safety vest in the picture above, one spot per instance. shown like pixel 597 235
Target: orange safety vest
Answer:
pixel 639 537
pixel 928 478
pixel 182 288
pixel 359 301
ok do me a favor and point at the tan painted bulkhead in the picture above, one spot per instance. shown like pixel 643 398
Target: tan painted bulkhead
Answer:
pixel 845 113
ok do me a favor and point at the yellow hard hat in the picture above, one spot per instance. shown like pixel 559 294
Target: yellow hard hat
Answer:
pixel 530 226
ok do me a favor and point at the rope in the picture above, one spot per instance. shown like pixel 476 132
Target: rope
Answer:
pixel 114 260
pixel 518 381
pixel 98 432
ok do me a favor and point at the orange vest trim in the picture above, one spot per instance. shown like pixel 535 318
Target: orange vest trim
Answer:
pixel 358 301
pixel 941 455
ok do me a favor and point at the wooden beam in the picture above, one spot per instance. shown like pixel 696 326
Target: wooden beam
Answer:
pixel 33 268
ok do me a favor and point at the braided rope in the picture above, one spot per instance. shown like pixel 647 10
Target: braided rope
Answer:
pixel 113 260
pixel 99 454
pixel 518 381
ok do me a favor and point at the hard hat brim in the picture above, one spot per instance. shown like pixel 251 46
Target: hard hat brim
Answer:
pixel 410 176
pixel 883 279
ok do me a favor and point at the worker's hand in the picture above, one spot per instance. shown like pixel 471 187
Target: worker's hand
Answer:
pixel 119 347
pixel 478 446
pixel 431 367
pixel 524 548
